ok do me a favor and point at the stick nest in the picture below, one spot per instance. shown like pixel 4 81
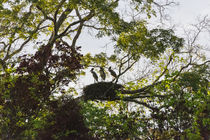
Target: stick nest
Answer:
pixel 101 91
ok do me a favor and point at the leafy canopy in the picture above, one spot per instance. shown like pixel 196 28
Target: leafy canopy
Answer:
pixel 161 90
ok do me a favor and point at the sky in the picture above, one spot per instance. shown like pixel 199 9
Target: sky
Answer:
pixel 188 10
pixel 187 13
pixel 183 15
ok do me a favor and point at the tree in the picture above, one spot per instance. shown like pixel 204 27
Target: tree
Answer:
pixel 34 102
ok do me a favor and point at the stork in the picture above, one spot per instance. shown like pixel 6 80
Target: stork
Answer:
pixel 112 72
pixel 95 76
pixel 102 73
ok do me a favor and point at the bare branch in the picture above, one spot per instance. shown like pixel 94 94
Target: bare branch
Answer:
pixel 162 7
pixel 155 82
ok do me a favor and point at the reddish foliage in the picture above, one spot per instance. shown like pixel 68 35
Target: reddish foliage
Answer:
pixel 38 76
pixel 66 118
pixel 46 59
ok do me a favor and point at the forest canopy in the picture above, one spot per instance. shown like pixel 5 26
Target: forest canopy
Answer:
pixel 153 85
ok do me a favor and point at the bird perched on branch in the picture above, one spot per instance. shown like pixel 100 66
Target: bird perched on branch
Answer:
pixel 102 73
pixel 95 76
pixel 112 72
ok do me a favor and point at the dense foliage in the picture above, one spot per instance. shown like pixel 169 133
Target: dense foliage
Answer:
pixel 159 88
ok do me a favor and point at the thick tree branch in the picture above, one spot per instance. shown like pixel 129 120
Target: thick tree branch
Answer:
pixel 45 15
pixel 77 35
pixel 86 18
pixel 61 20
pixel 58 8
pixel 141 90
pixel 96 28
pixel 208 61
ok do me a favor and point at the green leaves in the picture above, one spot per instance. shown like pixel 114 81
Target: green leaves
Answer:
pixel 104 123
pixel 161 99
pixel 151 44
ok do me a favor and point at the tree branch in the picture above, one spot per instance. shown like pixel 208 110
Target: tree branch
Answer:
pixel 165 70
pixel 89 16
pixel 141 90
pixel 45 15
pixel 139 102
pixel 24 43
pixel 58 8
pixel 61 20
pixel 155 82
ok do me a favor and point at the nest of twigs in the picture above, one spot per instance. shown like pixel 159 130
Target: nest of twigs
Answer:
pixel 101 91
